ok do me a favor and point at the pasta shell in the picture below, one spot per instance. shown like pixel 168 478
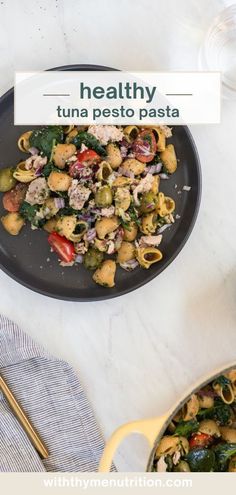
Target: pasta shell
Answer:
pixel 12 223
pixel 68 128
pixel 125 252
pixel 104 171
pixel 70 136
pixel 105 274
pixel 165 206
pixel 228 434
pixel 114 157
pixel 168 157
pixel 134 166
pixel 122 199
pixel 61 153
pixel 155 184
pixel 147 256
pixel 232 377
pixel 23 141
pixel 80 229
pixel 66 225
pixel 191 408
pixel 23 175
pixel 131 132
pixel 71 228
pixel 226 393
pixel 209 427
pixel 170 445
pixel 149 223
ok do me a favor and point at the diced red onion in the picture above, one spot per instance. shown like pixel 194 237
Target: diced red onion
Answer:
pixel 91 234
pixel 129 265
pixel 59 202
pixel 142 149
pixel 123 151
pixel 79 258
pixel 124 143
pixel 74 169
pixel 33 150
pixel 86 217
pixel 150 205
pixel 154 169
pixel 164 227
pixel 126 173
pixel 95 211
pixel 207 393
pixel 164 176
pixel 38 171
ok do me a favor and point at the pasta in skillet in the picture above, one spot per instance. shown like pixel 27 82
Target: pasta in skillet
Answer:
pixel 96 192
pixel 202 435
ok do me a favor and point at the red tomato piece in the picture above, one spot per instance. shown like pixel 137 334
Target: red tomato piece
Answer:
pixel 62 246
pixel 145 146
pixel 199 440
pixel 88 157
pixel 13 199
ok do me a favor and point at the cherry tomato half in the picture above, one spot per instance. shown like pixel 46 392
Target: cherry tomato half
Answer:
pixel 199 440
pixel 88 157
pixel 13 199
pixel 145 146
pixel 64 248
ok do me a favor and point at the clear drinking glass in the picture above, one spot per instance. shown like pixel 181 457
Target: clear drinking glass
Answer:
pixel 218 51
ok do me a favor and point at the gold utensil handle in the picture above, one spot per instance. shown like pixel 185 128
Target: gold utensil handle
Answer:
pixel 38 444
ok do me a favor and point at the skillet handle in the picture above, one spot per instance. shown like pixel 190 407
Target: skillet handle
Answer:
pixel 150 428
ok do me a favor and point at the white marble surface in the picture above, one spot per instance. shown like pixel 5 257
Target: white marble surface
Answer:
pixel 136 354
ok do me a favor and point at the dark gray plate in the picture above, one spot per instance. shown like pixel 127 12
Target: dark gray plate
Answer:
pixel 27 257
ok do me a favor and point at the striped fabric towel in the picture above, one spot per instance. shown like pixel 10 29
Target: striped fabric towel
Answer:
pixel 52 397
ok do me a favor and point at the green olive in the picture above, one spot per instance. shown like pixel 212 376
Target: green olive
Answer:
pixel 93 258
pixel 7 180
pixel 103 196
pixel 182 467
pixel 148 202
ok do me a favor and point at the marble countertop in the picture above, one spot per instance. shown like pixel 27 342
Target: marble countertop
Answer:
pixel 136 354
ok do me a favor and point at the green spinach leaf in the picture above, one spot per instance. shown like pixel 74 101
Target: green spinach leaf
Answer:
pixel 28 211
pixel 223 452
pixel 48 168
pixel 186 428
pixel 220 412
pixel 223 381
pixel 45 137
pixel 90 141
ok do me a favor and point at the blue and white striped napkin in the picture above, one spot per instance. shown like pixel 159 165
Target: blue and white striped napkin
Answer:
pixel 52 397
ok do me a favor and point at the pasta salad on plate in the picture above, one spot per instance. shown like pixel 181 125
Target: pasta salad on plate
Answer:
pixel 96 192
